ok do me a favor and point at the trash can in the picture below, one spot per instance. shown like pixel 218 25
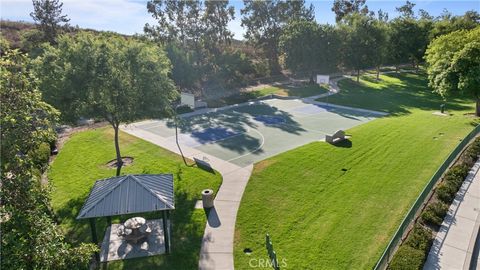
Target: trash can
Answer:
pixel 442 108
pixel 207 198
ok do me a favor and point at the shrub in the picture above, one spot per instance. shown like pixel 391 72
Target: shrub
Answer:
pixel 446 192
pixel 455 176
pixel 41 155
pixel 434 213
pixel 420 238
pixel 184 109
pixel 407 257
pixel 471 153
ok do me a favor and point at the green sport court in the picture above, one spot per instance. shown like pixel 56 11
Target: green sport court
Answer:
pixel 246 133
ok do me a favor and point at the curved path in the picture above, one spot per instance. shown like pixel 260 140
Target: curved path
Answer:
pixel 217 243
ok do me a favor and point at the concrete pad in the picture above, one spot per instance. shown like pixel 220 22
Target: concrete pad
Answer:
pixel 199 204
pixel 115 247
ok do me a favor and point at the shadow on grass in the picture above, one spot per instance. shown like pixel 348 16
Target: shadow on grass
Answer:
pixel 343 144
pixel 290 89
pixel 186 240
pixel 186 235
pixel 395 98
pixel 304 90
pixel 201 164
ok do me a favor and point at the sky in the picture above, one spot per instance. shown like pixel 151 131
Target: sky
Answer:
pixel 129 16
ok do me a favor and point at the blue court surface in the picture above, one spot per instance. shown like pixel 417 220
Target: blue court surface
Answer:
pixel 270 119
pixel 248 133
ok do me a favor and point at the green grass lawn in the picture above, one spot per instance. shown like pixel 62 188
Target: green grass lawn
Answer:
pixel 336 207
pixel 82 161
pixel 395 93
pixel 286 91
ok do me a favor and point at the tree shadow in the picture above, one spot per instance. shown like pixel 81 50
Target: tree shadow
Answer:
pixel 395 98
pixel 230 128
pixel 79 230
pixel 186 240
pixel 289 124
pixel 347 143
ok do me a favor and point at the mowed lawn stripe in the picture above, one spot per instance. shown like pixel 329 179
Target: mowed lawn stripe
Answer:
pixel 321 217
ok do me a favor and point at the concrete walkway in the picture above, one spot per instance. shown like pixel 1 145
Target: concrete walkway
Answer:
pixel 217 244
pixel 454 244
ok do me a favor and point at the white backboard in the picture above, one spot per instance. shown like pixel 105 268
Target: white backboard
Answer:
pixel 323 79
pixel 187 99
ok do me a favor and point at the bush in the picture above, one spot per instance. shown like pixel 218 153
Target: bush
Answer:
pixel 471 153
pixel 407 257
pixel 456 175
pixel 434 213
pixel 446 192
pixel 41 155
pixel 420 238
pixel 184 109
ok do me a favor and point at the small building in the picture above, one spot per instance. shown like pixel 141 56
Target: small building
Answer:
pixel 131 195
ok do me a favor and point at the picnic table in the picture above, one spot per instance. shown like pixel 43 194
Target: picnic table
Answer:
pixel 134 229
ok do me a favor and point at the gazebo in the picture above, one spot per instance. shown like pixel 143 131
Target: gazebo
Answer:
pixel 131 194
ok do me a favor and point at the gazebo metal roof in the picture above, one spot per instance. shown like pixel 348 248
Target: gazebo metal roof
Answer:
pixel 129 194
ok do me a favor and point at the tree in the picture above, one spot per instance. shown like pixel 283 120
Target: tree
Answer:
pixel 264 21
pixel 4 45
pixel 216 35
pixel 343 8
pixel 308 46
pixel 48 16
pixel 379 45
pixel 360 46
pixel 31 42
pixel 121 80
pixel 177 21
pixel 215 19
pixel 409 37
pixel 199 30
pixel 447 23
pixel 299 44
pixel 184 72
pixel 406 11
pixel 30 238
pixel 454 64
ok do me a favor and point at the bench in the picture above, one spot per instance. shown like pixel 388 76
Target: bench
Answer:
pixel 338 136
pixel 204 165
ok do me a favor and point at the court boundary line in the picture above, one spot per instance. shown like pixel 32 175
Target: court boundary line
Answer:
pixel 253 151
pixel 371 112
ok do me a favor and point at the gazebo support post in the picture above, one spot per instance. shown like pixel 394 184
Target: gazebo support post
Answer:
pixel 166 231
pixel 94 236
pixel 109 221
pixel 93 227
